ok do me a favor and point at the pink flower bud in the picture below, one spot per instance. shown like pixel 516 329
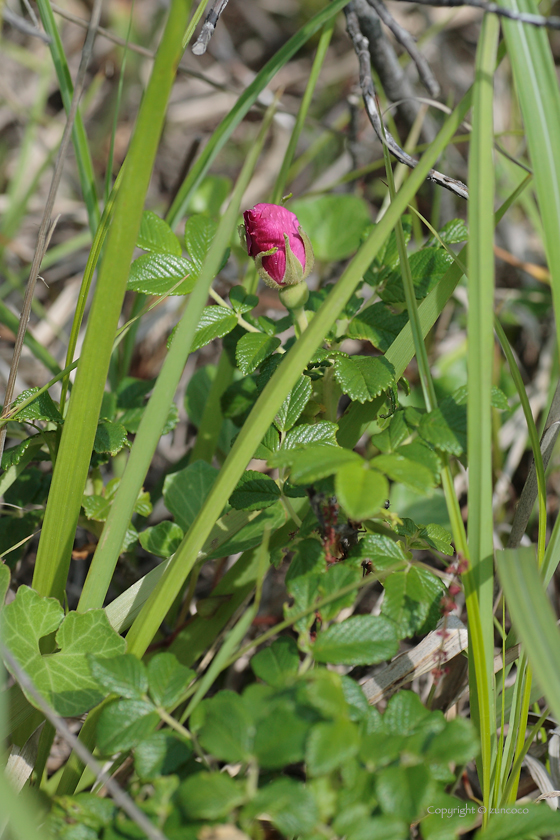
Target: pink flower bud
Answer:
pixel 281 250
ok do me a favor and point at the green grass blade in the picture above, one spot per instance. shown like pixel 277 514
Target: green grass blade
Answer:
pixel 266 407
pixel 155 415
pixel 533 618
pixel 480 331
pixel 73 459
pixel 245 102
pixel 537 87
pixel 79 137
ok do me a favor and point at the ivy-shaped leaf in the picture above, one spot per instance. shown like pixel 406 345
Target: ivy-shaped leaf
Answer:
pixel 156 235
pixel 363 377
pixel 162 274
pixel 62 677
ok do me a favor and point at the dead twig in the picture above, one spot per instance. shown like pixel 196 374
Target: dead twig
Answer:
pixel 208 27
pixel 361 47
pixel 494 9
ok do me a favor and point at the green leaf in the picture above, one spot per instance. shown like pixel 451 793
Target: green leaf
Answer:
pixel 215 322
pixel 210 796
pixel 305 434
pixel 162 539
pixel 287 804
pixel 337 577
pixel 527 822
pixel 410 598
pixel 358 706
pixel 63 677
pixel 361 491
pixel 168 679
pixel 363 377
pixel 410 473
pixel 323 691
pixel 251 534
pixel 156 235
pixel 426 536
pixel 124 724
pixel 161 754
pixel 378 325
pixel 280 738
pixel 110 437
pixel 254 492
pixel 359 640
pixel 42 407
pixel 309 558
pixel 124 675
pixel 294 404
pixel 96 507
pixel 199 233
pixel 252 349
pixel 451 233
pixel 224 726
pixel 277 664
pixel 314 462
pixel 404 791
pixel 13 456
pixel 239 398
pixel 457 742
pixel 404 714
pixel 382 552
pixel 330 745
pixel 210 195
pixel 162 274
pixel 321 218
pixel 427 267
pixel 446 427
pixel 241 300
pixel 4 583
pixel 184 492
pixel 268 445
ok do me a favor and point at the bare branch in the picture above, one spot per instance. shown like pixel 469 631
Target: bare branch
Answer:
pixel 22 25
pixel 406 40
pixel 368 93
pixel 208 27
pixel 493 8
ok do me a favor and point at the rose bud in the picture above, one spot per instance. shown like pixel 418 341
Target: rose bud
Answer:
pixel 281 250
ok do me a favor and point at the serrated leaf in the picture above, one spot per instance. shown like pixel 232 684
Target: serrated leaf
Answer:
pixel 336 578
pixel 330 745
pixel 446 427
pixel 239 398
pixel 453 231
pixel 412 474
pixel 162 274
pixel 425 536
pixel 360 490
pixel 268 445
pixel 359 640
pixel 288 805
pixel 162 539
pixel 277 664
pixel 309 558
pixel 314 462
pixel 254 492
pixel 168 680
pixel 13 456
pixel 210 796
pixel 363 377
pixel 294 404
pixel 184 492
pixel 410 597
pixel 306 434
pixel 378 325
pixel 404 791
pixel 199 233
pixel 132 392
pixel 124 724
pixel 250 535
pixel 381 551
pixel 427 267
pixel 96 507
pixel 241 300
pixel 64 677
pixel 252 349
pixel 499 400
pixel 224 726
pixel 280 737
pixel 42 407
pixel 124 675
pixel 156 235
pixel 110 437
pixel 215 322
pixel 161 754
